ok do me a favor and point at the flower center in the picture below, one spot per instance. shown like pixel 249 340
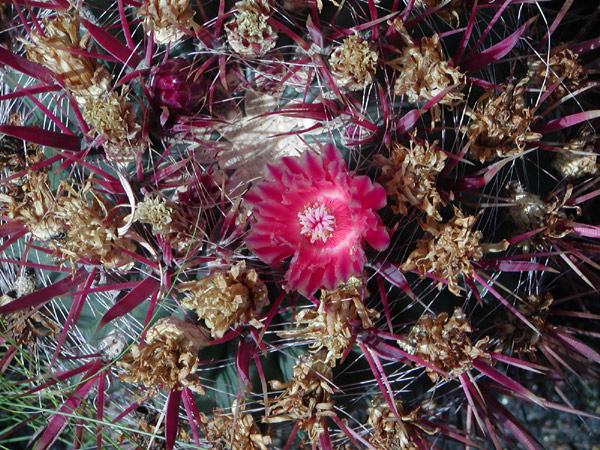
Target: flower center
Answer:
pixel 317 222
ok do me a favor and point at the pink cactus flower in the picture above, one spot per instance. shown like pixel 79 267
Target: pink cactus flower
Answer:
pixel 314 209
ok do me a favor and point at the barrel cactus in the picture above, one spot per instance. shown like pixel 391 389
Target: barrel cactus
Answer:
pixel 279 225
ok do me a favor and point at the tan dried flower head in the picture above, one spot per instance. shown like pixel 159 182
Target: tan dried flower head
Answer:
pixel 450 11
pixel 166 20
pixel 448 250
pixel 35 207
pixel 516 335
pixel 409 177
pixel 388 431
pixel 226 298
pixel 82 75
pixel 354 63
pixel 24 327
pixel 563 64
pixel 306 398
pixel 529 212
pixel 112 116
pixel 578 158
pixel 329 326
pixel 248 33
pixel 235 430
pixel 92 229
pixel 443 342
pixel 500 126
pixel 168 358
pixel 156 212
pixel 423 73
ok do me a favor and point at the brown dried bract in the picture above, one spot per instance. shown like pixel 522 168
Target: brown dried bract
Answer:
pixel 448 250
pixel 516 335
pixel 248 33
pixel 562 64
pixel 82 75
pixel 529 212
pixel 235 430
pixel 166 20
pixel 168 358
pixel 306 398
pixel 443 342
pixel 354 63
pixel 409 177
pixel 388 431
pixel 499 125
pixel 423 73
pixel 330 325
pixel 226 298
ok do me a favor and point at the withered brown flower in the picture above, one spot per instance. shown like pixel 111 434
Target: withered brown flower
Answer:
pixel 409 177
pixel 354 63
pixel 166 20
pixel 578 158
pixel 82 75
pixel 168 358
pixel 235 430
pixel 423 73
pixel 529 212
pixel 226 298
pixel 329 326
pixel 448 250
pixel 248 33
pixel 499 125
pixel 561 64
pixel 388 431
pixel 306 398
pixel 443 342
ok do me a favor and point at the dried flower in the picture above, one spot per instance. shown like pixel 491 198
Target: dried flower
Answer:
pixel 388 431
pixel 529 212
pixel 562 64
pixel 166 20
pixel 23 327
pixel 423 73
pixel 354 63
pixel 517 335
pixel 306 398
pixel 82 75
pixel 168 358
pixel 314 209
pixel 112 116
pixel 226 298
pixel 443 342
pixel 92 234
pixel 331 325
pixel 409 177
pixel 449 249
pixel 248 33
pixel 578 159
pixel 500 126
pixel 156 212
pixel 34 209
pixel 235 431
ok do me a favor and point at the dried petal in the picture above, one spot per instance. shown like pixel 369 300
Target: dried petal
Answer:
pixel 354 63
